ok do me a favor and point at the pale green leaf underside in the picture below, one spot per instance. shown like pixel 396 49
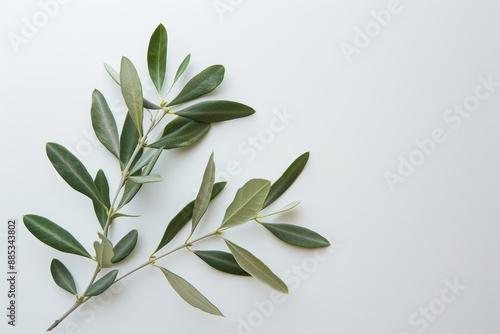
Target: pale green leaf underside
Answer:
pixel 205 193
pixel 104 251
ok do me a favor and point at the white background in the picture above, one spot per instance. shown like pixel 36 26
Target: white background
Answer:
pixel 394 250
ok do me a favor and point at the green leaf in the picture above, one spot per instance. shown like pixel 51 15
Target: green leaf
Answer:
pixel 104 251
pixel 116 77
pixel 124 215
pixel 189 293
pixel 53 235
pixel 62 276
pixel 72 171
pixel 201 84
pixel 182 68
pixel 104 123
pixel 146 178
pixel 286 208
pixel 247 203
pixel 102 186
pixel 181 132
pixel 147 156
pixel 129 139
pixel 183 217
pixel 132 92
pixel 256 267
pixel 157 56
pixel 287 179
pixel 222 261
pixel 297 235
pixel 203 198
pixel 215 111
pixel 101 284
pixel 125 246
pixel 112 73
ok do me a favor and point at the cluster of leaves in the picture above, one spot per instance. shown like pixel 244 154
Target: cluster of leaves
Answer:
pixel 137 157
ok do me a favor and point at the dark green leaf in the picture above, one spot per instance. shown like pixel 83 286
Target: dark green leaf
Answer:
pixel 62 276
pixel 204 194
pixel 201 84
pixel 256 267
pixel 101 284
pixel 246 204
pixel 116 77
pixel 104 251
pixel 54 235
pixel 189 293
pixel 157 56
pixel 147 156
pixel 129 139
pixel 132 92
pixel 104 123
pixel 182 68
pixel 287 179
pixel 72 171
pixel 102 186
pixel 215 111
pixel 125 246
pixel 146 178
pixel 297 235
pixel 222 261
pixel 183 217
pixel 181 132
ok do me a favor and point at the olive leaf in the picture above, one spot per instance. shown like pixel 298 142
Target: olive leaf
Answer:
pixel 62 277
pixel 53 235
pixel 247 203
pixel 201 84
pixel 157 56
pixel 215 111
pixel 286 208
pixel 222 261
pixel 287 179
pixel 125 246
pixel 181 132
pixel 256 267
pixel 183 217
pixel 189 293
pixel 104 251
pixel 104 123
pixel 102 186
pixel 182 68
pixel 145 178
pixel 101 284
pixel 204 194
pixel 132 92
pixel 297 235
pixel 147 156
pixel 129 139
pixel 72 171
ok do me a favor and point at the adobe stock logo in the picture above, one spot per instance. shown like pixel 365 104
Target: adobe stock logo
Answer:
pixel 31 26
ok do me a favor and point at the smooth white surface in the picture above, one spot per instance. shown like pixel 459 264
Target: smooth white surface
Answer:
pixel 394 250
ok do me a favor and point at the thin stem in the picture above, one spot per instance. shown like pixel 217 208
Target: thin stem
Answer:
pixel 76 305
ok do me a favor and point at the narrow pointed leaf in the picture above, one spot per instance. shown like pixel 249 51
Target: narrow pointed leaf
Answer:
pixel 247 203
pixel 201 84
pixel 146 178
pixel 286 208
pixel 204 194
pixel 129 139
pixel 53 235
pixel 183 217
pixel 124 215
pixel 215 111
pixel 116 77
pixel 104 251
pixel 72 171
pixel 125 246
pixel 189 293
pixel 157 56
pixel 182 68
pixel 181 132
pixel 101 284
pixel 62 276
pixel 102 186
pixel 104 123
pixel 222 261
pixel 132 92
pixel 147 156
pixel 287 179
pixel 297 235
pixel 256 267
